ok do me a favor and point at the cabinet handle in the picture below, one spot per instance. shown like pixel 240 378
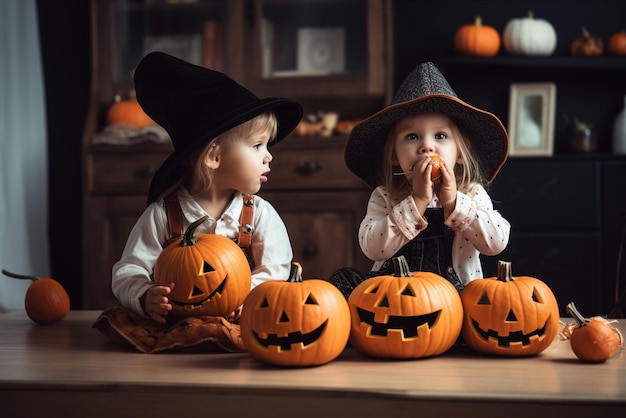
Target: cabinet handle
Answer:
pixel 145 172
pixel 309 251
pixel 308 167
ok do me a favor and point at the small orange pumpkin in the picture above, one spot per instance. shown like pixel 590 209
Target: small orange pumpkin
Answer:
pixel 509 316
pixel 436 163
pixel 587 45
pixel 592 340
pixel 210 272
pixel 128 112
pixel 295 322
pixel 46 300
pixel 477 39
pixel 617 43
pixel 405 315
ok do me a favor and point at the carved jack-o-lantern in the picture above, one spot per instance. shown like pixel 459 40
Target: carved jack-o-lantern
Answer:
pixel 211 274
pixel 509 316
pixel 409 315
pixel 295 322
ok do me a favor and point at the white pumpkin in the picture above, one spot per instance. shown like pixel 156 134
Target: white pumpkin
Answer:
pixel 529 36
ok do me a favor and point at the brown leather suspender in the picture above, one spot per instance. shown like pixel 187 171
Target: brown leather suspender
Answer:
pixel 175 219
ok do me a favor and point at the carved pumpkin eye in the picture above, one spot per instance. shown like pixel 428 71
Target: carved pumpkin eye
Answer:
pixel 206 268
pixel 484 299
pixel 310 300
pixel 407 291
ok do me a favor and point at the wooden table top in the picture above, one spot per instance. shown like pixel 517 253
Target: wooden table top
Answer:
pixel 72 357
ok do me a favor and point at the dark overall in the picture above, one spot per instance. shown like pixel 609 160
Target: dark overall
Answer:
pixel 430 251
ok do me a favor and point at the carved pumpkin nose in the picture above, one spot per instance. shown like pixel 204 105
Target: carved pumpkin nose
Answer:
pixel 283 317
pixel 511 317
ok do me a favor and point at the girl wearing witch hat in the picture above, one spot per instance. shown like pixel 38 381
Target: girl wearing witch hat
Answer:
pixel 440 225
pixel 221 134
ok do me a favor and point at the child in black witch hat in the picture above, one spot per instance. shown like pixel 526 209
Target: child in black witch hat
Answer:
pixel 440 225
pixel 221 134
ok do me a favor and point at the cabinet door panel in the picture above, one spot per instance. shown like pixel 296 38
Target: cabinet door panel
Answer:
pixel 537 194
pixel 567 262
pixel 323 229
pixel 109 221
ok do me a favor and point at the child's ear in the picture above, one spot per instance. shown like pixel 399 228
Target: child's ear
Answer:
pixel 212 160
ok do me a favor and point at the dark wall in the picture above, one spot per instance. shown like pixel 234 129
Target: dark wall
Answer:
pixel 65 49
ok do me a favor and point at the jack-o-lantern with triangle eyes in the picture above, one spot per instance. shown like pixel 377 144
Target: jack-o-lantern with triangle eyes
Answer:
pixel 509 316
pixel 211 274
pixel 406 315
pixel 295 322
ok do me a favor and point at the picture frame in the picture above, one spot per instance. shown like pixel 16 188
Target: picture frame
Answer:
pixel 531 119
pixel 321 51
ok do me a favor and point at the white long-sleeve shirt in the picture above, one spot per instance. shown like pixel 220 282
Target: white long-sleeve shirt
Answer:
pixel 478 228
pixel 270 246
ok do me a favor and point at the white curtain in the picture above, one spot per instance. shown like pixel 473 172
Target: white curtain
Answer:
pixel 23 152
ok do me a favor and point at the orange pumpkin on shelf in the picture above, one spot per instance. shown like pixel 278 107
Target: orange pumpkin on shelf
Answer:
pixel 46 300
pixel 617 43
pixel 587 45
pixel 295 322
pixel 128 112
pixel 477 39
pixel 211 274
pixel 509 316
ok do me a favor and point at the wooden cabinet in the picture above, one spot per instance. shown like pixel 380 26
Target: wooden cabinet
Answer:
pixel 116 182
pixel 321 202
pixel 331 56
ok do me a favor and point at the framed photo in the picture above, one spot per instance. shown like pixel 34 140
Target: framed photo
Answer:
pixel 321 50
pixel 531 119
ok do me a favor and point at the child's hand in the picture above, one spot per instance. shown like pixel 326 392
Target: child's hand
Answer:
pixel 235 315
pixel 156 304
pixel 445 189
pixel 422 185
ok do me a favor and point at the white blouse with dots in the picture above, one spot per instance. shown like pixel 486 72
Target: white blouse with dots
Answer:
pixel 479 229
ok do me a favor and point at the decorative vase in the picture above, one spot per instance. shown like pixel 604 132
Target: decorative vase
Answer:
pixel 619 132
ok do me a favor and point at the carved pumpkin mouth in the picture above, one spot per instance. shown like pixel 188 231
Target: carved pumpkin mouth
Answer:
pixel 195 305
pixel 514 337
pixel 408 324
pixel 296 337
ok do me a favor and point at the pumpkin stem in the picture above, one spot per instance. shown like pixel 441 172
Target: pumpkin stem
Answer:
pixel 19 276
pixel 580 320
pixel 531 15
pixel 189 238
pixel 295 274
pixel 586 33
pixel 505 271
pixel 478 21
pixel 401 267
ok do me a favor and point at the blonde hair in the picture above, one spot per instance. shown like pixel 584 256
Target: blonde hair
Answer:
pixel 197 175
pixel 467 173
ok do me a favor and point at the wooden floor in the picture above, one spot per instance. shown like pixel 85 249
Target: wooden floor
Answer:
pixel 71 370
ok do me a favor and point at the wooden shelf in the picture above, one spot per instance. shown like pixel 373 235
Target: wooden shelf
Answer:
pixel 607 63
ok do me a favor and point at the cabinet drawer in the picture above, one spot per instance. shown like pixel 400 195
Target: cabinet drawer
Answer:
pixel 310 169
pixel 122 173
